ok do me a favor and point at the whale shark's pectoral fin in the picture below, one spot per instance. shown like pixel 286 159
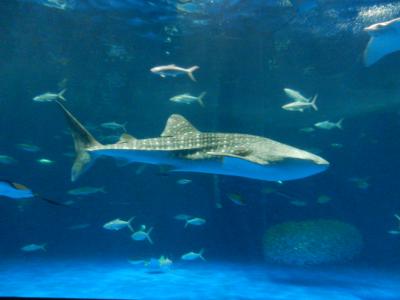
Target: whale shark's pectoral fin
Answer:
pixel 240 155
pixel 178 126
pixel 381 45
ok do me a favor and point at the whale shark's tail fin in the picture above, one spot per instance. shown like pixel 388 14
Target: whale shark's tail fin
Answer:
pixel 82 141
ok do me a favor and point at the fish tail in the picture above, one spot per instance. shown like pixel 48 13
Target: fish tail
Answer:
pixel 313 102
pixel 61 95
pixel 82 141
pixel 201 254
pixel 200 98
pixel 102 190
pixel 130 225
pixel 124 126
pixel 43 247
pixel 190 72
pixel 339 124
pixel 148 235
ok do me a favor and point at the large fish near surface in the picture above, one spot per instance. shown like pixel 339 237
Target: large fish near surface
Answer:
pixel 182 147
pixel 385 39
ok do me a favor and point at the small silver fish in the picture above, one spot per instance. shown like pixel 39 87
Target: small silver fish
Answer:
pixel 307 129
pixel 33 247
pixel 337 145
pixel 189 99
pixel 114 126
pixel 295 95
pixel 173 71
pixel 298 203
pixel 183 181
pixel 327 125
pixel 45 161
pixel 141 234
pixel 301 106
pixel 195 221
pixel 189 8
pixel 28 147
pixel 118 224
pixel 7 160
pixel 361 183
pixel 182 217
pixel 394 232
pixel 58 4
pixel 46 97
pixel 193 255
pixel 87 190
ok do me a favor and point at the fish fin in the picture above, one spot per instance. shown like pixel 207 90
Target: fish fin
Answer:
pixel 380 46
pixel 61 95
pixel 186 223
pixel 82 141
pixel 178 126
pixel 339 124
pixel 43 247
pixel 190 72
pixel 313 102
pixel 129 223
pixel 163 75
pixel 240 156
pixel 102 190
pixel 397 216
pixel 200 98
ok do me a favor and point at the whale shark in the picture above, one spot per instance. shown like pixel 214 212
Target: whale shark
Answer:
pixel 183 148
pixel 385 39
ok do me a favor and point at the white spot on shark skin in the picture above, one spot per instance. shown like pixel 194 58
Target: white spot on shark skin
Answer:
pixel 385 39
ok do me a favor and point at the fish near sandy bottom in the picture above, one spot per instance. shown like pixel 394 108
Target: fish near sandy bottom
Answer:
pixel 182 147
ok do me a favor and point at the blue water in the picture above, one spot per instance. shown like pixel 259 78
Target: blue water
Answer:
pixel 279 244
pixel 116 280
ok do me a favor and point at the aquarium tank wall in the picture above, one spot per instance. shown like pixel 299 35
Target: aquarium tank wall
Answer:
pixel 200 149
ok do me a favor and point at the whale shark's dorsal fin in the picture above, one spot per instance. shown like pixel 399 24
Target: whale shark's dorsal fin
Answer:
pixel 178 126
pixel 385 39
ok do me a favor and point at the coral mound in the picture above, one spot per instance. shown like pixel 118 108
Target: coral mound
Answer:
pixel 312 242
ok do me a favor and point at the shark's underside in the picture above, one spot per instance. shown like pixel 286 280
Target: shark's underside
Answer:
pixel 182 147
pixel 385 39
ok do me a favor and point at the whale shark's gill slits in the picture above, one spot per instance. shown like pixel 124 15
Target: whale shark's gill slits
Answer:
pixel 82 141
